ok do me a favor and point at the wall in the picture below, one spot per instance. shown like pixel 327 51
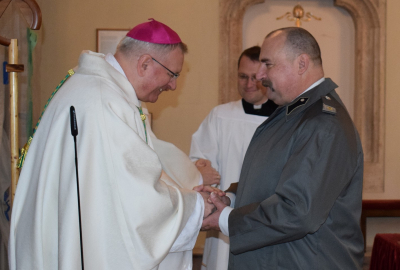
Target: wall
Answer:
pixel 70 26
pixel 392 156
pixel 392 131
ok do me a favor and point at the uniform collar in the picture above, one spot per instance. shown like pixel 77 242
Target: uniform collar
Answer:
pixel 312 86
pixel 310 96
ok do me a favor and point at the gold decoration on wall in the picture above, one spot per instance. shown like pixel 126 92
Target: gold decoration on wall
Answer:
pixel 298 15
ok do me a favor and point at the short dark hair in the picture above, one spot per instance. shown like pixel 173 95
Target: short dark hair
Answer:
pixel 253 53
pixel 299 41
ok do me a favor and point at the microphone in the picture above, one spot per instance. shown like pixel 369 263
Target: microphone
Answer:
pixel 74 124
pixel 74 133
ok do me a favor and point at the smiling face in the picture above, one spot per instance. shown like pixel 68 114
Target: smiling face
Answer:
pixel 278 70
pixel 249 88
pixel 157 79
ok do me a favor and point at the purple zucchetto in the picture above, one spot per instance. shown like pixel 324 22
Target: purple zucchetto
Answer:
pixel 154 32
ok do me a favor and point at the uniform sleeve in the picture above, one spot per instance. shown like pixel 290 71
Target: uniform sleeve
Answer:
pixel 321 165
pixel 205 141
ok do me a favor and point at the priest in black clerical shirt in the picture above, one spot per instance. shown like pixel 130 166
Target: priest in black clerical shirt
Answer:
pixel 254 98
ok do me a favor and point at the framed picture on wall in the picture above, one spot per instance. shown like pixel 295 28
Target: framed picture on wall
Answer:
pixel 108 39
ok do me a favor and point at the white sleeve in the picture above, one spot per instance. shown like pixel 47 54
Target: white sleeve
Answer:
pixel 187 238
pixel 205 141
pixel 223 220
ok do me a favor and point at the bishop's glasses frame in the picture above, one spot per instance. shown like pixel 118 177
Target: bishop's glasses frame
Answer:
pixel 173 75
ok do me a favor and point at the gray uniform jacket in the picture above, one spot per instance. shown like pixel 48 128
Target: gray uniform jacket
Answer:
pixel 299 197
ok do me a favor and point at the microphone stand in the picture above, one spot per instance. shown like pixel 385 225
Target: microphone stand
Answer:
pixel 74 133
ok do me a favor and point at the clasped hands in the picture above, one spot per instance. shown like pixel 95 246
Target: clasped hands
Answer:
pixel 215 201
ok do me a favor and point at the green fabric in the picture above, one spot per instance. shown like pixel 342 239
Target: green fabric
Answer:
pixel 143 117
pixel 24 150
pixel 32 40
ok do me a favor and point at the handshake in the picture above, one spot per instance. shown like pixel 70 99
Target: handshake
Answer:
pixel 215 201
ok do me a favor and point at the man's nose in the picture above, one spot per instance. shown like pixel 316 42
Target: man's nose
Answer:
pixel 251 81
pixel 172 84
pixel 261 73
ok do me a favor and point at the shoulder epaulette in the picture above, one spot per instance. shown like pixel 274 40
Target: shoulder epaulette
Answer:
pixel 327 105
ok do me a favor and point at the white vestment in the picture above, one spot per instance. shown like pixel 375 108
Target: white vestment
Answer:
pixel 223 138
pixel 130 219
pixel 177 165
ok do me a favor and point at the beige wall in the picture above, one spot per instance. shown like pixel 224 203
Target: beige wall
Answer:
pixel 392 131
pixel 70 26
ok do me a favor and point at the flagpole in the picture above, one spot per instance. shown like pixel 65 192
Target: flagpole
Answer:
pixel 14 131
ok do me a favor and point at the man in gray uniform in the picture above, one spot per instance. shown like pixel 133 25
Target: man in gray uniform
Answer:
pixel 298 202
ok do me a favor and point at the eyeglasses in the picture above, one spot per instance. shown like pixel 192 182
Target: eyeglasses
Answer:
pixel 173 75
pixel 244 77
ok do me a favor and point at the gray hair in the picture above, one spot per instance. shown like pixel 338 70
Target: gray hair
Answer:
pixel 133 47
pixel 300 41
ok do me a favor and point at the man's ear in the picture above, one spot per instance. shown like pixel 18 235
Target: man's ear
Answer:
pixel 143 64
pixel 304 61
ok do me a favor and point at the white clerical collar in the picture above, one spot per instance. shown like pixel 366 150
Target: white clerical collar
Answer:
pixel 312 86
pixel 114 63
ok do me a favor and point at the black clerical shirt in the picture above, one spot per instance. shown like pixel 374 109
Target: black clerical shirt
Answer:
pixel 266 109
